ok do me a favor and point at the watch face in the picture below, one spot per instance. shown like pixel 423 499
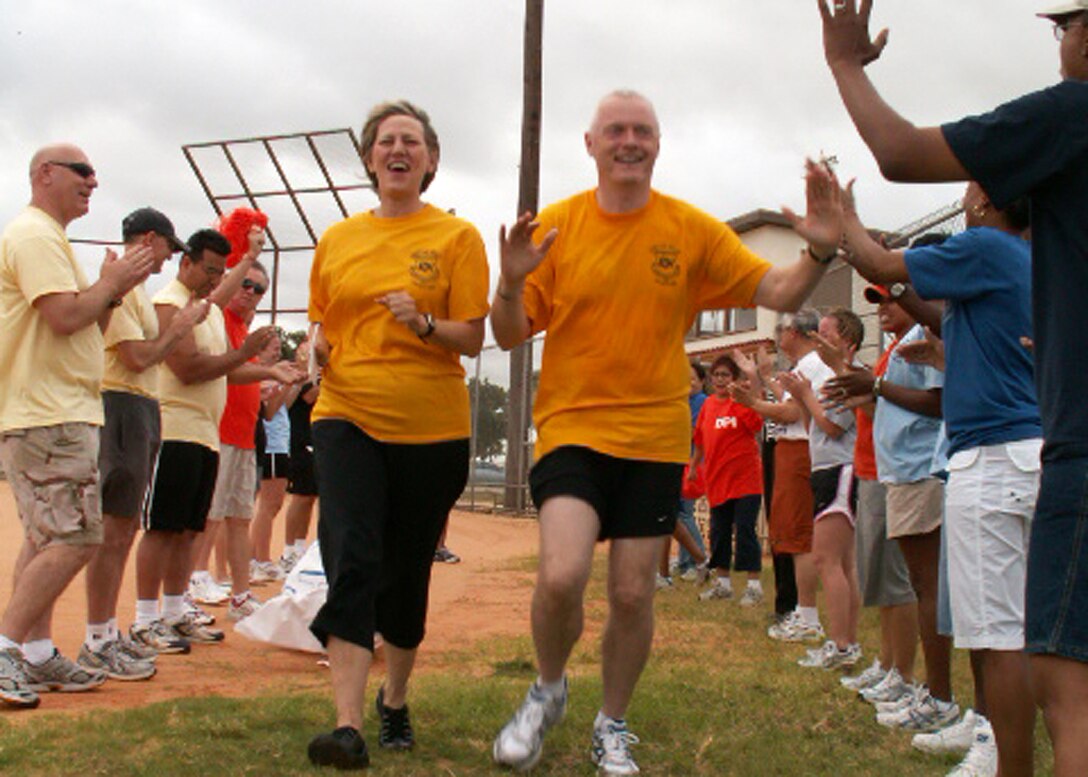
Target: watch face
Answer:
pixel 895 291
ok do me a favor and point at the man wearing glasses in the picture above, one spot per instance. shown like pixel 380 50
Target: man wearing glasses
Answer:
pixel 1034 146
pixel 51 322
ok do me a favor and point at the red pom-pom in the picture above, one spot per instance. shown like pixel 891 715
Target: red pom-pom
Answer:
pixel 235 227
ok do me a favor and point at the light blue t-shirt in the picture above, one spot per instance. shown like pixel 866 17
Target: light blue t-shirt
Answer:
pixel 905 440
pixel 984 275
pixel 277 432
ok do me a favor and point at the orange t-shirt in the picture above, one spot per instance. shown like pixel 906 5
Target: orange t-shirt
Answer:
pixel 864 448
pixel 380 375
pixel 616 294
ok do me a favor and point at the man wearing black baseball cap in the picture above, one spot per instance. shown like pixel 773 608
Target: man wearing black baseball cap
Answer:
pixel 1034 146
pixel 130 444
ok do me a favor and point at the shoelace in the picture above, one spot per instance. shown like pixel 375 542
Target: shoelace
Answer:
pixel 615 744
pixel 395 724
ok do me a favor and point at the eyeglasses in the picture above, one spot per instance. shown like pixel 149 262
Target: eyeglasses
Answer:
pixel 720 375
pixel 255 287
pixel 1060 28
pixel 82 169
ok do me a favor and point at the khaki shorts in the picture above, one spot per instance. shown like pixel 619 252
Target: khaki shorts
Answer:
pixel 915 508
pixel 236 484
pixel 53 471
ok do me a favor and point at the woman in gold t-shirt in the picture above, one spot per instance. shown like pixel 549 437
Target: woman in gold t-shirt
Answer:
pixel 400 293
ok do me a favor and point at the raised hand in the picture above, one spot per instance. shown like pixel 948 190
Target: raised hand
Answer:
pixel 256 238
pixel 855 382
pixel 929 351
pixel 846 33
pixel 829 354
pixel 822 224
pixel 764 363
pixel 795 383
pixel 189 316
pixel 519 254
pixel 745 363
pixel 257 341
pixel 128 271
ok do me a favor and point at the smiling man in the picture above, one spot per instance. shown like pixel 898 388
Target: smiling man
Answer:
pixel 616 282
pixel 51 322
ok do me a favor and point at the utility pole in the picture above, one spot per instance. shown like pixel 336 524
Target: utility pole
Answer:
pixel 521 358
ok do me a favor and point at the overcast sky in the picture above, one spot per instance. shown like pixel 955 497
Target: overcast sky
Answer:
pixel 740 87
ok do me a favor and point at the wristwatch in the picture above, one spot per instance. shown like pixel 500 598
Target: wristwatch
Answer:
pixel 430 327
pixel 896 290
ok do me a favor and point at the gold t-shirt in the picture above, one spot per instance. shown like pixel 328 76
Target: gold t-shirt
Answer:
pixel 48 378
pixel 380 376
pixel 134 320
pixel 191 413
pixel 616 295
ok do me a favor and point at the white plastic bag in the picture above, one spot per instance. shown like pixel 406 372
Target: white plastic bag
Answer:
pixel 284 620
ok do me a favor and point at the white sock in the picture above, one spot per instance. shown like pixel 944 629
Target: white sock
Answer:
pixel 725 583
pixel 299 546
pixel 755 585
pixel 601 719
pixel 39 651
pixel 98 634
pixel 239 598
pixel 112 632
pixel 173 606
pixel 8 644
pixel 554 690
pixel 810 616
pixel 147 611
pixel 201 575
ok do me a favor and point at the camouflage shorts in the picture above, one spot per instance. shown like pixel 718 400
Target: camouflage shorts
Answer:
pixel 53 472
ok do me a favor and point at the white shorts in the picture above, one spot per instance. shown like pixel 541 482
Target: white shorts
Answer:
pixel 990 500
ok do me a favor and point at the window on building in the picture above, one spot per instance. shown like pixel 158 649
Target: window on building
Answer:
pixel 719 322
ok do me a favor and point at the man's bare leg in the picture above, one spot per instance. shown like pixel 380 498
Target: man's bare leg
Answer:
pixel 899 638
pixel 629 631
pixel 107 567
pixel 1061 688
pixel 238 554
pixel 568 534
pixel 40 577
pixel 1008 684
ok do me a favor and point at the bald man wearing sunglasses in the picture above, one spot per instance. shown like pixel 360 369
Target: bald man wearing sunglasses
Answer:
pixel 51 324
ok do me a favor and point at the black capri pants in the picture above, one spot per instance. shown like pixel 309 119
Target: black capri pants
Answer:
pixel 383 507
pixel 742 513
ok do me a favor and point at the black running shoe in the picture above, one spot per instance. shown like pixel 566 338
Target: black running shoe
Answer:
pixel 343 748
pixel 396 732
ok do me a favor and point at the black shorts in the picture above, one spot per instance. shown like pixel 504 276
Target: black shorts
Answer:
pixel 181 493
pixel 632 498
pixel 835 492
pixel 274 465
pixel 301 479
pixel 129 446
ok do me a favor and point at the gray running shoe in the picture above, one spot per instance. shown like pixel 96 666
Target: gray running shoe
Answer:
pixel 188 627
pixel 137 650
pixel 716 592
pixel 957 738
pixel 15 689
pixel 751 597
pixel 867 679
pixel 62 674
pixel 115 662
pixel 159 636
pixel 521 741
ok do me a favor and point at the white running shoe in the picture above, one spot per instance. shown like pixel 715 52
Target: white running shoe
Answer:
pixel 612 748
pixel 521 741
pixel 956 738
pixel 716 592
pixel 830 657
pixel 243 607
pixel 981 759
pixel 927 714
pixel 867 679
pixel 892 688
pixel 751 597
pixel 204 590
pixel 288 560
pixel 794 629
pixel 663 583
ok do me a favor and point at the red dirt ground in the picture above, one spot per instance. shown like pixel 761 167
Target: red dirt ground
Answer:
pixel 479 596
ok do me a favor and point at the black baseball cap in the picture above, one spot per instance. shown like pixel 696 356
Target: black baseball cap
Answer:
pixel 146 220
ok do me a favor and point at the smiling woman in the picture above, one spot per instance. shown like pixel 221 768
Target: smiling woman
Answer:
pixel 400 293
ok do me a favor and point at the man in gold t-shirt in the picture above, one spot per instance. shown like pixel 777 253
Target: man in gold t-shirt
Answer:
pixel 616 282
pixel 51 322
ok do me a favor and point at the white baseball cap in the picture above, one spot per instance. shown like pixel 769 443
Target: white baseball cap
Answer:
pixel 1074 6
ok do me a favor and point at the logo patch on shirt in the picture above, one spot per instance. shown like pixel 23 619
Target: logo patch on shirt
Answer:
pixel 424 269
pixel 666 264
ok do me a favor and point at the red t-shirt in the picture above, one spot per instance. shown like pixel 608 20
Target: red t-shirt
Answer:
pixel 726 431
pixel 864 449
pixel 239 421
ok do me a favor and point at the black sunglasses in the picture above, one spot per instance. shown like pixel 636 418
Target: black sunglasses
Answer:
pixel 258 289
pixel 82 169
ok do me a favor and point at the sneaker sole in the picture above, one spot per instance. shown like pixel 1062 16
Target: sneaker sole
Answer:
pixel 65 687
pixel 520 766
pixel 146 674
pixel 25 700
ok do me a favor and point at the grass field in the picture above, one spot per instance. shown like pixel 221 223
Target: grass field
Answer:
pixel 717 698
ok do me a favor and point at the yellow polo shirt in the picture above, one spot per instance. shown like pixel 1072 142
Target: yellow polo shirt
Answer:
pixel 134 320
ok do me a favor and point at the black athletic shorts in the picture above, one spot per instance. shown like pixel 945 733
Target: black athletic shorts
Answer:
pixel 181 492
pixel 632 498
pixel 127 452
pixel 274 465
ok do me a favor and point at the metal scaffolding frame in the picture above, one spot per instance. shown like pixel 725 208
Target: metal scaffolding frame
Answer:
pixel 240 191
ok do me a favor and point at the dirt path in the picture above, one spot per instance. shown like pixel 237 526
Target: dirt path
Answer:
pixel 479 596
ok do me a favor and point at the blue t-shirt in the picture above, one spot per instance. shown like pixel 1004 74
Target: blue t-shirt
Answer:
pixel 277 432
pixel 1037 146
pixel 984 276
pixel 905 440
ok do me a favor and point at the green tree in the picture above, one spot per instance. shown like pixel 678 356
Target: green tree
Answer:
pixel 491 422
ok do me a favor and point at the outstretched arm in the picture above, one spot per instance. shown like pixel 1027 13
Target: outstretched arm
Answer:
pixel 903 151
pixel 519 257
